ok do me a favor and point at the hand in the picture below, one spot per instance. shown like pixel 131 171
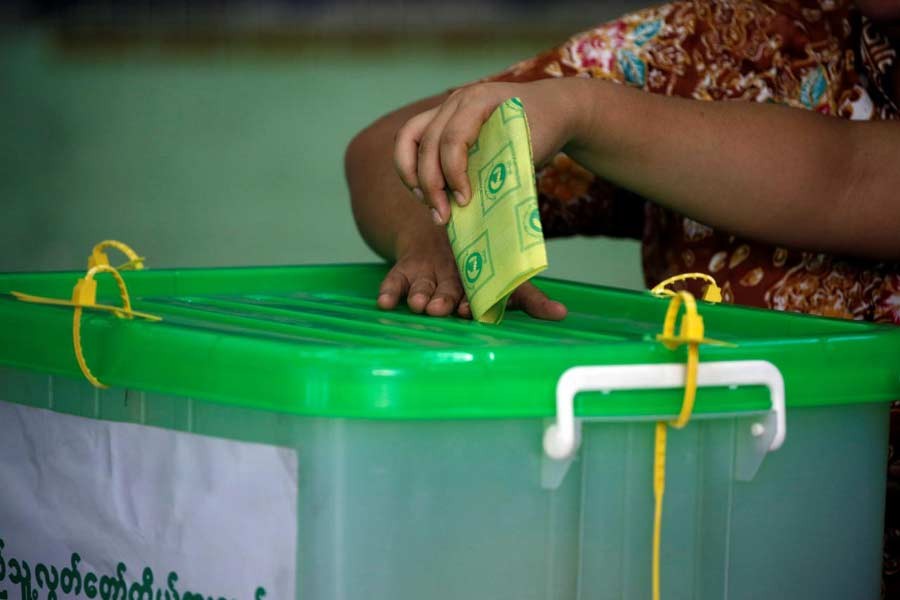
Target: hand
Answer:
pixel 430 154
pixel 431 149
pixel 428 278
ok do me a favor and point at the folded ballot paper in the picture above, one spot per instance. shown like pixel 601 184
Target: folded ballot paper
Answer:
pixel 497 238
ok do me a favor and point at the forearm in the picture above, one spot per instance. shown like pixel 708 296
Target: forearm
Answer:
pixel 767 172
pixel 386 213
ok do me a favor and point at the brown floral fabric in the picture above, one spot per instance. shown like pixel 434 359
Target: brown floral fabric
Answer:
pixel 818 55
pixel 814 55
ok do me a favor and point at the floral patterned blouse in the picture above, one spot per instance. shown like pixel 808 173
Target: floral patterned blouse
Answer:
pixel 819 55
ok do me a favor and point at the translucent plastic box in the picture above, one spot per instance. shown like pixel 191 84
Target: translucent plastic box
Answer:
pixel 418 444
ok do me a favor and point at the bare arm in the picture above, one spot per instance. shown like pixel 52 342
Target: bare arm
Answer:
pixel 401 229
pixel 768 172
pixel 385 211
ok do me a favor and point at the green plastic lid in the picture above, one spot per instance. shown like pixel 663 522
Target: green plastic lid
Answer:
pixel 310 341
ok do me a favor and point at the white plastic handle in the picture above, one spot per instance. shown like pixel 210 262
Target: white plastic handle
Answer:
pixel 561 439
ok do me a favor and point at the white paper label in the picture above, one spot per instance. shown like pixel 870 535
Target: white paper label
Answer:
pixel 93 509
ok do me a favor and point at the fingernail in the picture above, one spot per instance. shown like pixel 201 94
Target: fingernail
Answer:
pixel 384 298
pixel 418 194
pixel 436 217
pixel 460 199
pixel 416 299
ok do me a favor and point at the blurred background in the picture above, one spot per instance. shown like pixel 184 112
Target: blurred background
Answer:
pixel 212 133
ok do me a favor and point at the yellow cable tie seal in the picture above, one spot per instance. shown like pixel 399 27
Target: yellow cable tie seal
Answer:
pixel 690 332
pixel 84 296
pixel 99 257
pixel 712 293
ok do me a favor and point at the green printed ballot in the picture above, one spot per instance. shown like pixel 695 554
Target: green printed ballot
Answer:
pixel 497 238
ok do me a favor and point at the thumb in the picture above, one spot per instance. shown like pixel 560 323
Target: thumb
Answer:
pixel 535 303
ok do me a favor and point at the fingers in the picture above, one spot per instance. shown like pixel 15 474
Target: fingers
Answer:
pixel 418 289
pixel 421 289
pixel 459 134
pixel 536 304
pixel 406 147
pixel 527 298
pixel 438 295
pixel 394 287
pixel 417 162
pixel 431 149
pixel 430 175
pixel 464 309
pixel 447 295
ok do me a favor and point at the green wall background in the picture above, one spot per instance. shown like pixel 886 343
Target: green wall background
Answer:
pixel 218 157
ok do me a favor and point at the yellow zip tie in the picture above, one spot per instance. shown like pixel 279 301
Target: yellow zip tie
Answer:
pixel 84 296
pixel 712 293
pixel 99 257
pixel 659 488
pixel 690 332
